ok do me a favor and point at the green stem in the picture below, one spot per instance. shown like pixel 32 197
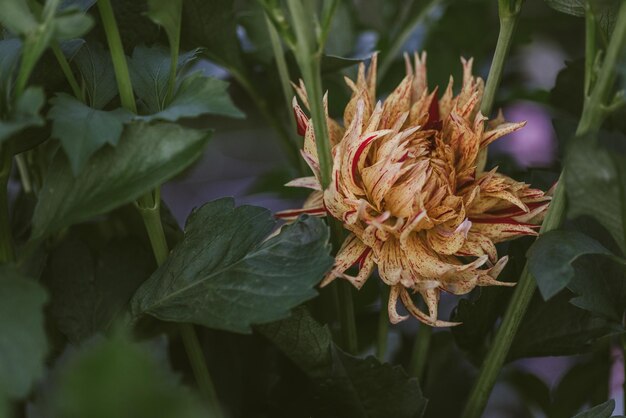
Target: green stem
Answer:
pixel 419 355
pixel 291 151
pixel 590 46
pixel 122 76
pixel 174 52
pixel 346 317
pixel 308 57
pixel 508 21
pixel 400 40
pixel 281 65
pixel 7 253
pixel 590 121
pixel 149 207
pixel 309 63
pixel 594 112
pixel 200 370
pixel 383 324
pixel 67 71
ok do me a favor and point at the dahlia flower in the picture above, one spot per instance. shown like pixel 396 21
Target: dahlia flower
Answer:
pixel 406 187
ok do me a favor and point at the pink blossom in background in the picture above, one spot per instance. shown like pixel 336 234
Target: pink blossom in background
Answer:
pixel 535 144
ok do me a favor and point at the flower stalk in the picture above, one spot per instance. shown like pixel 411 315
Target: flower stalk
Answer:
pixel 508 12
pixel 7 253
pixel 591 120
pixel 149 207
pixel 308 50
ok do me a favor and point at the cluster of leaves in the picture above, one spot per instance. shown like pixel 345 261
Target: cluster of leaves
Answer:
pixel 85 287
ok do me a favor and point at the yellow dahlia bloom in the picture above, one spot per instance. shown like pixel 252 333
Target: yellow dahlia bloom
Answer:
pixel 405 184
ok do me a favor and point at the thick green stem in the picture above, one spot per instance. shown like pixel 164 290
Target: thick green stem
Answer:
pixel 383 324
pixel 400 40
pixel 283 72
pixel 272 119
pixel 149 207
pixel 122 76
pixel 309 58
pixel 7 253
pixel 591 120
pixel 67 71
pixel 508 21
pixel 200 370
pixel 309 63
pixel 346 317
pixel 419 355
pixel 590 46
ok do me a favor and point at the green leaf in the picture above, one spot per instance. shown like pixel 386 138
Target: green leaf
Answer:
pixel 96 69
pixel 601 287
pixel 117 378
pixel 149 71
pixel 604 410
pixel 89 289
pixel 24 114
pixel 345 386
pixel 596 186
pixel 570 7
pixel 83 130
pixel 198 95
pixel 223 275
pixel 303 340
pixel 167 13
pixel 23 345
pixel 146 156
pixel 551 258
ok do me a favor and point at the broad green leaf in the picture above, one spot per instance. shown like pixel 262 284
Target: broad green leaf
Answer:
pixel 23 343
pixel 167 13
pixel 83 130
pixel 146 156
pixel 25 113
pixel 149 70
pixel 212 25
pixel 552 256
pixel 345 386
pixel 96 69
pixel 121 379
pixel 604 410
pixel 89 289
pixel 224 275
pixel 605 11
pixel 596 186
pixel 303 340
pixel 198 95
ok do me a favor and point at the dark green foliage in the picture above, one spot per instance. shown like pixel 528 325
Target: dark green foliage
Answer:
pixel 345 386
pixel 223 275
pixel 23 345
pixel 116 175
